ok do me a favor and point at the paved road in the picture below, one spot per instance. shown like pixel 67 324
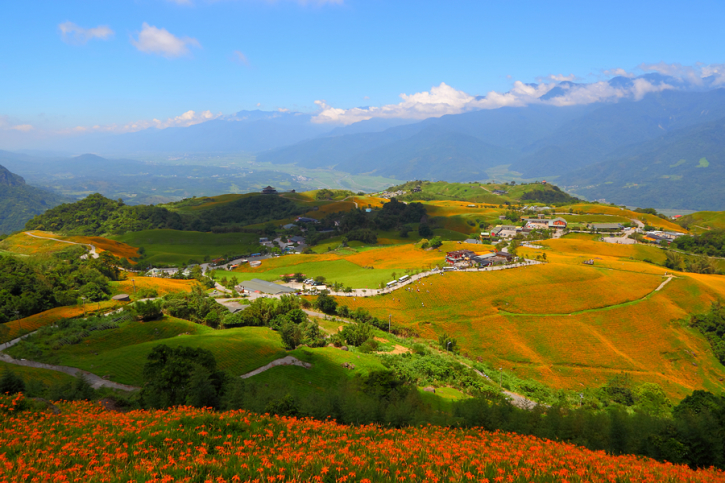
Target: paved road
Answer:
pixel 92 248
pixel 95 381
pixel 371 292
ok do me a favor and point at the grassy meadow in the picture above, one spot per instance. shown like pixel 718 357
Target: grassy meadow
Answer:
pixel 174 247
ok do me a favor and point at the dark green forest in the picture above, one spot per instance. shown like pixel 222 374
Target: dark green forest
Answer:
pixel 98 215
pixel 711 243
pixel 29 286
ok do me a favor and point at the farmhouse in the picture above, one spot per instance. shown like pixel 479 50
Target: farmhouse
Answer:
pixel 505 231
pixel 498 192
pixel 289 226
pixel 262 286
pixel 541 223
pixel 458 256
pixel 492 258
pixel 605 226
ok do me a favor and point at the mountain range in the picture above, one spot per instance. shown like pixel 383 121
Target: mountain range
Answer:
pixel 605 149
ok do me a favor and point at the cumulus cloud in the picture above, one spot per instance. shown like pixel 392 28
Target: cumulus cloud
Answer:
pixel 73 34
pixel 444 99
pixel 23 127
pixel 439 101
pixel 240 58
pixel 153 40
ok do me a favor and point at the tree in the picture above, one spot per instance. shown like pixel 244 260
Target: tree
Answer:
pixel 356 334
pixel 326 303
pixel 674 260
pixel 168 371
pixel 148 310
pixel 424 230
pixel 291 335
pixel 436 242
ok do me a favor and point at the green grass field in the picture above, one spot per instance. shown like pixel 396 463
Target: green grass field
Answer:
pixel 45 376
pixel 702 221
pixel 341 271
pixel 122 353
pixel 174 246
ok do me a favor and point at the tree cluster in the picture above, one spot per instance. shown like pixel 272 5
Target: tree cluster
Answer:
pixel 98 215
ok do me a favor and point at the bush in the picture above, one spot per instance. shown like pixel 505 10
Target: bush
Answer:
pixel 356 334
pixel 10 383
pixel 148 310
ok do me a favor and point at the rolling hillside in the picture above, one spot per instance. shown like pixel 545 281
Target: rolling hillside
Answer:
pixel 20 202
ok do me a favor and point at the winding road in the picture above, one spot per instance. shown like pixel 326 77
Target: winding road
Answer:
pixel 92 248
pixel 95 381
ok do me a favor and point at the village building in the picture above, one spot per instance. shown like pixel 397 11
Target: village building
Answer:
pixel 492 258
pixel 541 223
pixel 269 191
pixel 605 226
pixel 506 231
pixel 304 219
pixel 459 256
pixel 262 286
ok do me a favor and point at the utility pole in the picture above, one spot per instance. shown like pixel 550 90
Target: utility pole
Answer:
pixel 84 305
pixel 500 378
pixel 134 285
pixel 448 346
pixel 390 317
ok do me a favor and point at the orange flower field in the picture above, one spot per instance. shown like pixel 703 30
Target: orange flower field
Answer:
pixel 162 285
pixel 85 443
pixel 34 322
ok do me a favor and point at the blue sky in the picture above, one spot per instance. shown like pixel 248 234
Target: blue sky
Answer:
pixel 348 53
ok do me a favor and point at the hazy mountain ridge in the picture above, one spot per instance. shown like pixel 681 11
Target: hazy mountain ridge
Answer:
pixel 683 168
pixel 19 202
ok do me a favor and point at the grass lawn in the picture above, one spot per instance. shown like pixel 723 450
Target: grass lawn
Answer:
pixel 326 370
pixel 122 353
pixel 174 246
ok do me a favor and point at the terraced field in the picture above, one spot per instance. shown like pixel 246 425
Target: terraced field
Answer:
pixel 568 324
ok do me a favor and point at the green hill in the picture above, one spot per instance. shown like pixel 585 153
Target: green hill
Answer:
pixel 20 202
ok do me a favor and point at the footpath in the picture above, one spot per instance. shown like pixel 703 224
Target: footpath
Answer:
pixel 95 381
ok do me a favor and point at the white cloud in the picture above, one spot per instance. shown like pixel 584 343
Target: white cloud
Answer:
pixel 153 40
pixel 618 72
pixel 558 78
pixel 189 118
pixel 444 99
pixel 73 34
pixel 439 101
pixel 240 58
pixel 23 127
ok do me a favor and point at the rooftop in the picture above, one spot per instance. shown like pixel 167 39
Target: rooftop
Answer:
pixel 257 285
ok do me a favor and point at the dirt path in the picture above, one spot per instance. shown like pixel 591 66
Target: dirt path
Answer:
pixel 95 381
pixel 92 248
pixel 285 361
